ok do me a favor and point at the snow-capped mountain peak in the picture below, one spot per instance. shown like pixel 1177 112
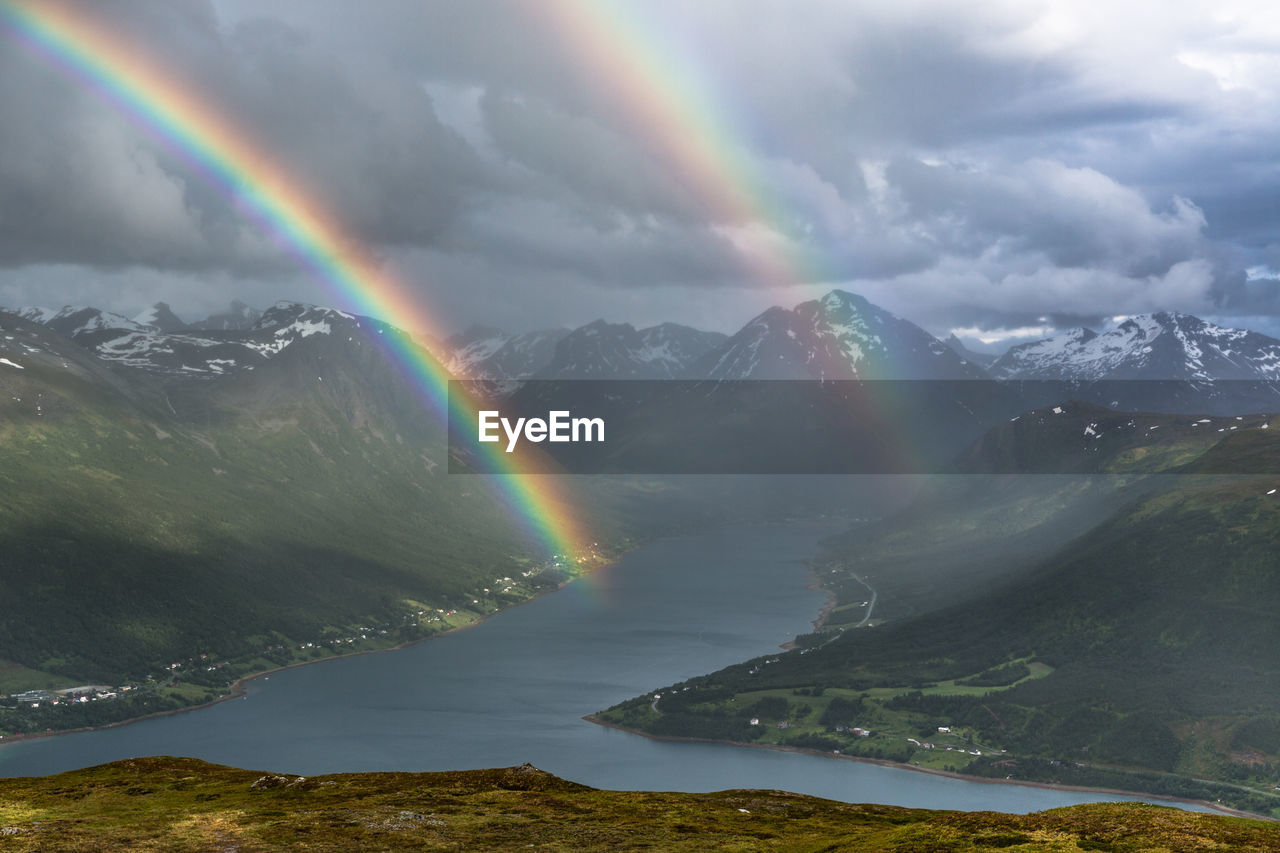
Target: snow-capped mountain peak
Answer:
pixel 484 353
pixel 598 350
pixel 840 336
pixel 1160 346
pixel 469 350
pixel 73 320
pixel 125 342
pixel 286 322
pixel 160 318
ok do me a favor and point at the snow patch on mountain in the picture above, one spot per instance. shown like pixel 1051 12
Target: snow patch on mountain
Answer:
pixel 140 345
pixel 160 318
pixel 305 329
pixel 467 352
pixel 286 322
pixel 73 320
pixel 36 314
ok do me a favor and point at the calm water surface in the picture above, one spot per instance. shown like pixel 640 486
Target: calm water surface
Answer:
pixel 514 689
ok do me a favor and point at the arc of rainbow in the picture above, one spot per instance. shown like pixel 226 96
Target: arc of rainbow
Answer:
pixel 687 125
pixel 89 52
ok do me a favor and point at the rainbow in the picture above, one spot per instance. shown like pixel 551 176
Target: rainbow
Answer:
pixel 225 155
pixel 659 93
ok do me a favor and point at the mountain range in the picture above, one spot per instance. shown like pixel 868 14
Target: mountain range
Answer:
pixel 841 336
pixel 1160 346
pixel 945 399
pixel 1155 362
pixel 157 342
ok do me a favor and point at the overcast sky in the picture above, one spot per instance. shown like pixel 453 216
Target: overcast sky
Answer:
pixel 1003 168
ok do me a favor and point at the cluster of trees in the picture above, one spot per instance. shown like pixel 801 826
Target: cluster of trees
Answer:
pixel 1062 730
pixel 841 711
pixel 706 727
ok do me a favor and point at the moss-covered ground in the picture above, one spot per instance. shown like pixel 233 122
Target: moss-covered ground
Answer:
pixel 183 804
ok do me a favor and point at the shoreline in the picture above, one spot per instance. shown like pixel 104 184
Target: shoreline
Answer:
pixel 239 687
pixel 817 623
pixel 1215 808
pixel 816 585
pixel 824 612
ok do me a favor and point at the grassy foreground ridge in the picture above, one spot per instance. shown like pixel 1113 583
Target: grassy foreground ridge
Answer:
pixel 185 804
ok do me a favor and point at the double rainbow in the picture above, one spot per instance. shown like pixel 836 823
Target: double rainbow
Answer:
pixel 225 155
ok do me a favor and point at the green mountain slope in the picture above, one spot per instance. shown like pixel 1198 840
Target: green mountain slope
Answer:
pixel 1144 646
pixel 228 523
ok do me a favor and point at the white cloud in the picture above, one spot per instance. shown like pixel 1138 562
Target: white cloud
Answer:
pixel 1002 335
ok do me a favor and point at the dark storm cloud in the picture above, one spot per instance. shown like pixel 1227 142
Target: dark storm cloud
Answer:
pixel 75 184
pixel 1072 217
pixel 612 251
pixel 81 184
pixel 1236 294
pixel 586 162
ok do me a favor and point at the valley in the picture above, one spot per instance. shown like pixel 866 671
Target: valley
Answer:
pixel 520 682
pixel 169 530
pixel 290 506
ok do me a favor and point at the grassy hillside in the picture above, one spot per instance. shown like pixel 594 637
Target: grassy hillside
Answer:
pixel 230 525
pixel 182 804
pixel 1140 655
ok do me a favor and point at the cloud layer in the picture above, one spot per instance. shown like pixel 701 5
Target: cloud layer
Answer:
pixel 967 165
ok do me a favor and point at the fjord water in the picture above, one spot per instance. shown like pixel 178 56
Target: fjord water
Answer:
pixel 514 688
